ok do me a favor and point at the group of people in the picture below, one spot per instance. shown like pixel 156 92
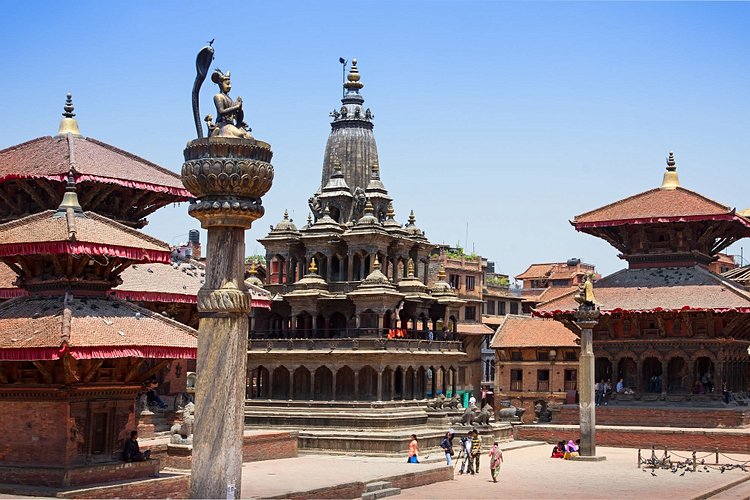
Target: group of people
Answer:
pixel 704 384
pixel 470 451
pixel 566 450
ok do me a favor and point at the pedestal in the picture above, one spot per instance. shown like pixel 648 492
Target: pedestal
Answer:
pixel 228 176
pixel 586 320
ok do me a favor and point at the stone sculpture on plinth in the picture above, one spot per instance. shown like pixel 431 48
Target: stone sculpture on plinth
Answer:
pixel 586 318
pixel 227 172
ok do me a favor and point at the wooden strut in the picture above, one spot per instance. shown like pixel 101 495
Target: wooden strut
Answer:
pixel 156 368
pixel 33 194
pixel 93 370
pixel 71 371
pixel 133 370
pixel 3 378
pixel 45 373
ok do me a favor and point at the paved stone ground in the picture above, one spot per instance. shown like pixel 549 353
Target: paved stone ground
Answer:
pixel 530 473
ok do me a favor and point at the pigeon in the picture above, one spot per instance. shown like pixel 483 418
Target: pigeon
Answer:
pixel 654 474
pixel 683 473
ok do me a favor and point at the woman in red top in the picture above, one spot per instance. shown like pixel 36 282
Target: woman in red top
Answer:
pixel 413 450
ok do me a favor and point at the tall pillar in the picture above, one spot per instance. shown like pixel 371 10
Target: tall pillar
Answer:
pixel 269 392
pixel 333 383
pixel 291 385
pixel 356 385
pixel 392 394
pixel 403 383
pixel 414 385
pixel 380 385
pixel 226 208
pixel 312 385
pixel 586 320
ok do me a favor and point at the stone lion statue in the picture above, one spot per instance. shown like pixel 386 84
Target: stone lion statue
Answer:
pixel 484 416
pixel 510 413
pixel 437 403
pixel 453 403
pixel 182 432
pixel 467 418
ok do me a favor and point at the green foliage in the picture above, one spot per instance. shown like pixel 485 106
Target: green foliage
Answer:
pixel 502 281
pixel 256 258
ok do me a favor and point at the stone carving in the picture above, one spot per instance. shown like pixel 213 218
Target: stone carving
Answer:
pixel 543 413
pixel 368 114
pixel 315 206
pixel 467 418
pixel 227 176
pixel 226 299
pixel 335 114
pixel 453 403
pixel 344 111
pixel 182 399
pixel 182 432
pixel 360 201
pixel 510 413
pixel 143 405
pixel 484 416
pixel 437 403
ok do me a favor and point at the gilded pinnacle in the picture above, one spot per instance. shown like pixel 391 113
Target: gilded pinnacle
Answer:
pixel 390 213
pixel 68 125
pixel 671 181
pixel 70 199
pixel 441 273
pixel 353 83
pixel 376 263
pixel 412 219
pixel 313 266
pixel 410 268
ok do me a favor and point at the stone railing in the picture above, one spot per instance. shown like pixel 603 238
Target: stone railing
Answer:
pixel 406 345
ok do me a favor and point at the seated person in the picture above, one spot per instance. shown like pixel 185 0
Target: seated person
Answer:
pixel 151 397
pixel 571 449
pixel 559 450
pixel 131 452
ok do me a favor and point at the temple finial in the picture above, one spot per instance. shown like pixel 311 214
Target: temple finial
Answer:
pixel 313 266
pixel 376 263
pixel 410 268
pixel 70 199
pixel 352 80
pixel 441 273
pixel 68 125
pixel 390 213
pixel 375 170
pixel 253 271
pixel 671 181
pixel 286 214
pixel 412 219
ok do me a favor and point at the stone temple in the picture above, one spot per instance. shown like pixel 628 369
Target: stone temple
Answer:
pixel 355 338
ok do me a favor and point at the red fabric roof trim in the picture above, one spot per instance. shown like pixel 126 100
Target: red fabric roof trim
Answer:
pixel 133 352
pixel 264 304
pixel 66 247
pixel 156 297
pixel 719 310
pixel 182 193
pixel 11 293
pixel 30 354
pixel 655 220
pixel 52 353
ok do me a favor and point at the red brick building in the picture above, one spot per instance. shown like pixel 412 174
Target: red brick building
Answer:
pixel 545 282
pixel 536 362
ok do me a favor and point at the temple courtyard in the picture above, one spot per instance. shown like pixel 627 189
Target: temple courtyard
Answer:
pixel 528 472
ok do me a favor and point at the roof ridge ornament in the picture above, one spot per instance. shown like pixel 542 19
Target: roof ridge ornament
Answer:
pixel 68 125
pixel 671 181
pixel 70 199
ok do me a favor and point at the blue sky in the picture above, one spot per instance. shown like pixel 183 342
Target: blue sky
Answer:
pixel 511 117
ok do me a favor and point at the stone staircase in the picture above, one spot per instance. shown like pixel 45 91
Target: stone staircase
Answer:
pixel 379 489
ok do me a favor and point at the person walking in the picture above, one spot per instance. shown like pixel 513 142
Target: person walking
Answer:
pixel 413 450
pixel 466 450
pixel 447 445
pixel 496 460
pixel 476 451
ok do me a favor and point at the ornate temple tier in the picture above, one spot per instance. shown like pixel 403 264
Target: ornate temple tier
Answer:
pixel 114 183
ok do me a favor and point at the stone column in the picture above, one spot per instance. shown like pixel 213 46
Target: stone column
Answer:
pixel 312 385
pixel 356 385
pixel 269 392
pixel 380 385
pixel 403 383
pixel 393 385
pixel 586 320
pixel 226 206
pixel 291 385
pixel 334 370
pixel 454 371
pixel 414 385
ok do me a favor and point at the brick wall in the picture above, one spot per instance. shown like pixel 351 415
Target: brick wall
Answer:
pixel 177 486
pixel 78 476
pixel 673 439
pixel 34 432
pixel 659 417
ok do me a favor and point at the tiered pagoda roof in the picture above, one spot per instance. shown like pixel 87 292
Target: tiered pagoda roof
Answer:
pixel 668 235
pixel 113 182
pixel 67 261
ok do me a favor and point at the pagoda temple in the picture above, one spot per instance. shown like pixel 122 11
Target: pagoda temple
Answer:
pixel 73 357
pixel 355 334
pixel 669 327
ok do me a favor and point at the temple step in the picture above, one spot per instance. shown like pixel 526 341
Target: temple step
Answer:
pixel 379 489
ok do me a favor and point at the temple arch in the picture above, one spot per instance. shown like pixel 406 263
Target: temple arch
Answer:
pixel 345 384
pixel 280 387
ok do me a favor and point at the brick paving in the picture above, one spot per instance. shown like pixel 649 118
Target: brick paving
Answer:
pixel 530 473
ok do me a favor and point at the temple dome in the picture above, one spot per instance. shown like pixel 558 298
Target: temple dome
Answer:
pixel 351 142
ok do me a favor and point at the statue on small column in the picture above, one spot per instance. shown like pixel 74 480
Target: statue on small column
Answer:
pixel 230 118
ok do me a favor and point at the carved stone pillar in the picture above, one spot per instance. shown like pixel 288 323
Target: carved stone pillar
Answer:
pixel 392 394
pixel 380 385
pixel 291 385
pixel 227 176
pixel 356 385
pixel 334 370
pixel 312 385
pixel 403 383
pixel 414 385
pixel 270 382
pixel 586 320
